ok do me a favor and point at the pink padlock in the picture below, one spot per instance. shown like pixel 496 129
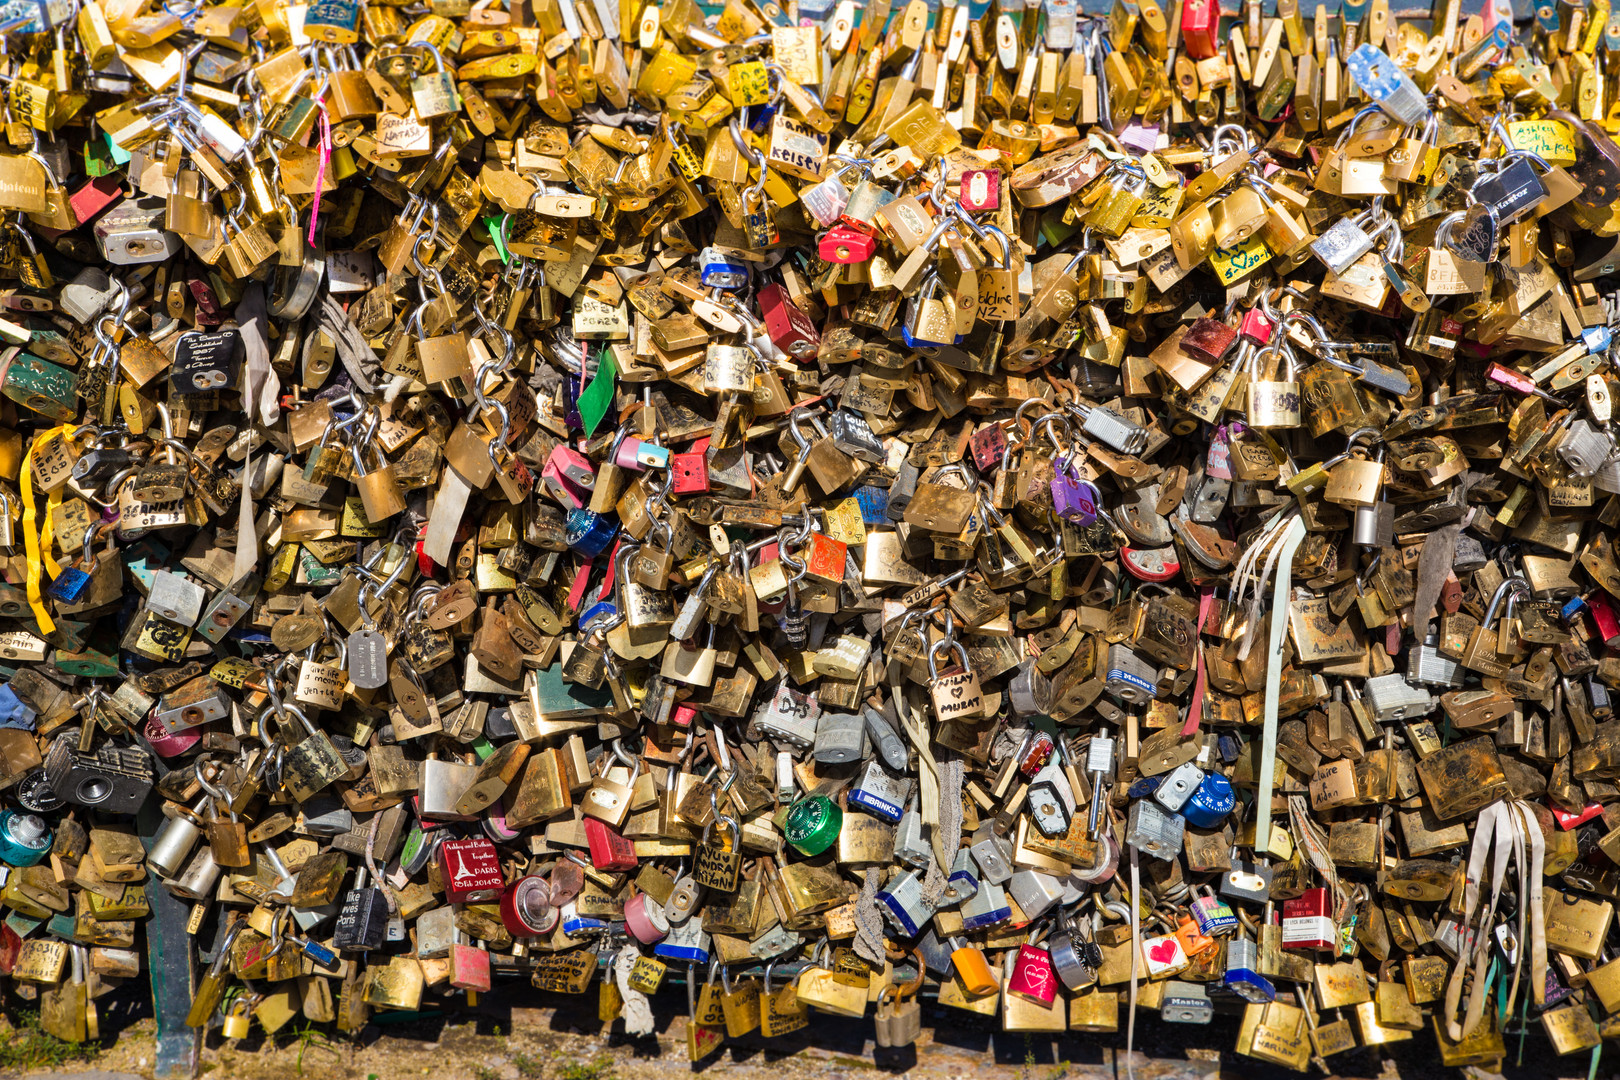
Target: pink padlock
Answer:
pixel 166 743
pixel 639 456
pixel 95 196
pixel 841 244
pixel 1032 976
pixel 495 826
pixel 683 715
pixel 645 919
pixel 574 466
pixel 560 478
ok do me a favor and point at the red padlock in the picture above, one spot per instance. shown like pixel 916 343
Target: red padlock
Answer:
pixel 1256 327
pixel 981 189
pixel 1200 28
pixel 609 849
pixel 841 244
pixel 1604 618
pixel 1307 923
pixel 988 445
pixel 689 473
pixel 95 197
pixel 825 559
pixel 792 330
pixel 472 871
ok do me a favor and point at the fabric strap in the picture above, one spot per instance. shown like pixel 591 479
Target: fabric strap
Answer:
pixel 1293 535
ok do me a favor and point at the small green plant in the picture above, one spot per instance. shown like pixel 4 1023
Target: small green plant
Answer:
pixel 486 1072
pixel 600 1069
pixel 31 1047
pixel 528 1066
pixel 311 1036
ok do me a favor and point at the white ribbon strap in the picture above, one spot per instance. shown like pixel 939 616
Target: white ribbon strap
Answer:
pixel 1291 540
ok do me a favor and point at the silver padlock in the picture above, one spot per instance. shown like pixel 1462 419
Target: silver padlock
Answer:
pixel 187 707
pixel 879 794
pixel 1154 831
pixel 1342 244
pixel 221 615
pixel 175 840
pixel 1129 677
pixel 774 942
pixel 1210 502
pixel 1186 1003
pixel 683 900
pixel 963 880
pixel 840 738
pixel 435 932
pixel 686 943
pixel 789 717
pixel 1029 693
pixel 902 904
pixel 1430 667
pixel 1607 477
pixel 132 232
pixel 901 491
pixel 890 747
pixel 909 846
pixel 993 854
pixel 1585 448
pixel 1036 893
pixel 985 908
pixel 1051 800
pixel 176 598
pixel 1175 789
pixel 88 295
pixel 785 787
pixel 1113 429
pixel 1391 697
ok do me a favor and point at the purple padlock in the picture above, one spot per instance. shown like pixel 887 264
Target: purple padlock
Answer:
pixel 1073 499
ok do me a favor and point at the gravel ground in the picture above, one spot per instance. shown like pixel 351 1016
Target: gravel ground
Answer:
pixel 561 1039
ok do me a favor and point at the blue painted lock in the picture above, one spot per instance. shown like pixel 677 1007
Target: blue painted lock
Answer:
pixel 590 533
pixel 1382 79
pixel 718 271
pixel 1211 803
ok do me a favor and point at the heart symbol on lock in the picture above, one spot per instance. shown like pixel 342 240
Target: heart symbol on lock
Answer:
pixel 1164 952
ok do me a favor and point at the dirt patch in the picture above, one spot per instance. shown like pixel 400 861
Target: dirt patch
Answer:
pixel 499 1041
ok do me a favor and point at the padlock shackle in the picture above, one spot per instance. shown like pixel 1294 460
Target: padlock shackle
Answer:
pixel 1510 590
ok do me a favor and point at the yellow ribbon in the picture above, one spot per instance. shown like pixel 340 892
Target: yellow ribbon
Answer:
pixel 36 542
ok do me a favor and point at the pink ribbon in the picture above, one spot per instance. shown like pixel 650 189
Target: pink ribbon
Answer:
pixel 320 171
pixel 1195 711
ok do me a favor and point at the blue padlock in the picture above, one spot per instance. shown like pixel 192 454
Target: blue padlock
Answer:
pixel 1382 79
pixel 24 838
pixel 874 504
pixel 69 585
pixel 13 713
pixel 1211 803
pixel 589 533
pixel 720 272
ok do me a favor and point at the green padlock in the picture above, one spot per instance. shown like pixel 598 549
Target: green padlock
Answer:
pixel 40 385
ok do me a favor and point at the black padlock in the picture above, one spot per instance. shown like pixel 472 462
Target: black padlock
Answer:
pixel 101 463
pixel 362 923
pixel 206 361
